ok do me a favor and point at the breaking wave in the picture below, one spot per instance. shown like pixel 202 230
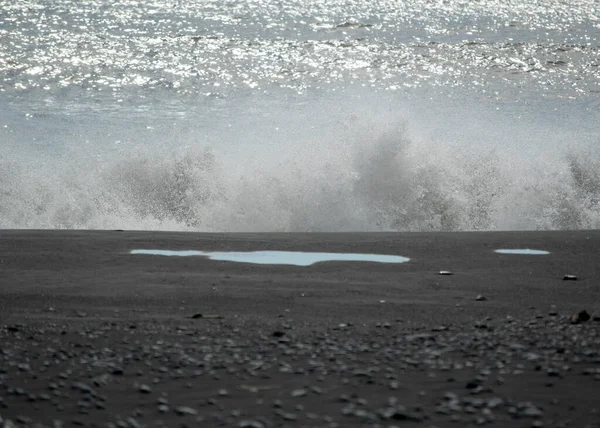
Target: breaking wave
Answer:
pixel 360 175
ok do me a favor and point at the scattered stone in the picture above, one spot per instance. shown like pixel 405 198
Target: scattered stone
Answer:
pixel 531 411
pixel 23 420
pixel 86 389
pixel 206 316
pixel 299 393
pixel 582 316
pixel 184 411
pixel 361 373
pixel 251 424
pixel 341 360
pixel 495 402
pixel 472 384
pixel 287 416
pixel 365 415
pixel 133 423
pixel 480 298
pixel 400 413
pixel 101 380
pixel 145 389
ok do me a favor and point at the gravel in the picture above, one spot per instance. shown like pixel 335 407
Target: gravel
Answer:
pixel 222 375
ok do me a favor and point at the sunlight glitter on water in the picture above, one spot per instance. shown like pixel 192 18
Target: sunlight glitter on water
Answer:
pixel 200 47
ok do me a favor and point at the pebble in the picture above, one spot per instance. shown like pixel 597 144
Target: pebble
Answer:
pixel 145 389
pixel 531 411
pixel 251 424
pixel 299 393
pixel 183 411
pixel 287 416
pixel 495 402
pixel 582 316
pixel 85 388
pixel 344 360
pixel 552 372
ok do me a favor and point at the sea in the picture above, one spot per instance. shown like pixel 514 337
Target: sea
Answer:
pixel 300 115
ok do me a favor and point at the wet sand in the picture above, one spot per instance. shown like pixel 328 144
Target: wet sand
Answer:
pixel 91 335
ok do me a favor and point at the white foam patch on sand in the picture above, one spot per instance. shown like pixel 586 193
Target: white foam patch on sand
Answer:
pixel 297 258
pixel 525 251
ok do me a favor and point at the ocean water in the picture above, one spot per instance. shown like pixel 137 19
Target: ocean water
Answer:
pixel 300 115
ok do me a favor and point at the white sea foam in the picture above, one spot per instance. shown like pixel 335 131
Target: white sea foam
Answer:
pixel 298 258
pixel 313 168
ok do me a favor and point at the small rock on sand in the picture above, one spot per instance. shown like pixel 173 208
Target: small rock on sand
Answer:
pixel 582 316
pixel 145 389
pixel 183 411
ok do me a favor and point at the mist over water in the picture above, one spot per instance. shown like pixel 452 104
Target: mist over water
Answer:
pixel 348 122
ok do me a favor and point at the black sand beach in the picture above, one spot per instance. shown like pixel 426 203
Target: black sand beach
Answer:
pixel 91 335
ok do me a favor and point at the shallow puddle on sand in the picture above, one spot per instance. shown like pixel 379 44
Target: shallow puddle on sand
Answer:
pixel 297 258
pixel 526 252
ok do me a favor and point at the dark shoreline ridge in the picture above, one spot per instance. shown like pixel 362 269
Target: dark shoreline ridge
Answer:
pixel 91 335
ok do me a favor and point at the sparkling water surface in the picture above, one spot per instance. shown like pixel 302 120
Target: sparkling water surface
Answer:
pixel 300 115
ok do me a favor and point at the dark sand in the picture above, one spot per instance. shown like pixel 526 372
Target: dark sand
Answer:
pixel 93 336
